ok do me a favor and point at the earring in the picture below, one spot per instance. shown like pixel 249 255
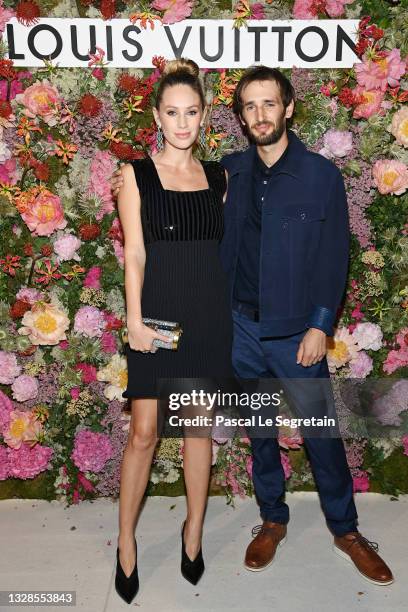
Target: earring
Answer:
pixel 202 138
pixel 159 138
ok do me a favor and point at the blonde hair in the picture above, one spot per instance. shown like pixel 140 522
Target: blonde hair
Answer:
pixel 181 65
pixel 180 71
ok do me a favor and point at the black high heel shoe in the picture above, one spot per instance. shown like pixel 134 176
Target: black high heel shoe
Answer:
pixel 126 586
pixel 191 570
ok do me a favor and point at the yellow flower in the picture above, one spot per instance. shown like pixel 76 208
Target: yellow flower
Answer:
pixel 115 373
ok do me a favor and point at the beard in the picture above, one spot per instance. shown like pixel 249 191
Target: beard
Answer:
pixel 270 138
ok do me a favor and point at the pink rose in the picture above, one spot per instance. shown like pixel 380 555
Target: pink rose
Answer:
pixel 390 176
pixel 41 100
pixel 43 213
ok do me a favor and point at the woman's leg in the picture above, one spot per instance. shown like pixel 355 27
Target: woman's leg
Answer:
pixel 135 469
pixel 197 467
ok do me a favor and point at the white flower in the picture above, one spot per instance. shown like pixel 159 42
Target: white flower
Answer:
pixel 368 336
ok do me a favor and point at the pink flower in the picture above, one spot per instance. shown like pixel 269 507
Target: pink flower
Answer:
pixel 399 126
pixel 23 427
pixel 174 10
pixel 92 450
pixel 360 481
pixel 337 143
pixel 41 100
pixel 24 388
pixel 335 8
pixel 89 321
pixel 380 72
pixel 4 463
pixel 404 444
pixel 28 462
pixel 285 461
pixel 9 368
pixel 257 11
pixel 5 15
pixel 43 213
pixel 368 336
pixel 88 372
pixel 66 246
pixel 397 358
pixel 304 9
pixel 370 104
pixel 98 74
pixel 6 407
pixel 361 366
pixel 102 167
pixel 8 171
pixel 74 392
pixel 108 343
pixel 29 295
pixel 390 176
pixel 93 278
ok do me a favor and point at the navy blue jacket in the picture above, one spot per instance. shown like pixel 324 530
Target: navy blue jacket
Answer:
pixel 304 239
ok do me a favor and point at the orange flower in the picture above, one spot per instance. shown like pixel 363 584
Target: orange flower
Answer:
pixel 132 105
pixel 26 126
pixel 65 150
pixel 145 18
pixel 110 134
pixel 226 87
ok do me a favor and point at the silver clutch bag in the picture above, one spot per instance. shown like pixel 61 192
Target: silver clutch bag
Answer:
pixel 168 328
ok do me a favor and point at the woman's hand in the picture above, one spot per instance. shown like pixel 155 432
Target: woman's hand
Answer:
pixel 116 181
pixel 141 336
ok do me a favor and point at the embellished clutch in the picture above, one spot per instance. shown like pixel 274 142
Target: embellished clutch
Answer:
pixel 167 328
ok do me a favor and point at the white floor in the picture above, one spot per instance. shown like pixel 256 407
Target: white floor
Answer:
pixel 47 547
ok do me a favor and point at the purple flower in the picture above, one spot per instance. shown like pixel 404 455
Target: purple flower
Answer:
pixel 24 388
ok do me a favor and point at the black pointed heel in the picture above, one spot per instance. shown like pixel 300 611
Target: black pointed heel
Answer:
pixel 191 570
pixel 126 586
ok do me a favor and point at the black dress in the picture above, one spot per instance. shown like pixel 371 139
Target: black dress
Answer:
pixel 183 281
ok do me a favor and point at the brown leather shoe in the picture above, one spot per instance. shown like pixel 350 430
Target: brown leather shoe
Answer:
pixel 261 551
pixel 358 550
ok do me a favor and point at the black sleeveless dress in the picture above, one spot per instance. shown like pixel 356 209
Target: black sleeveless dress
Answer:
pixel 183 281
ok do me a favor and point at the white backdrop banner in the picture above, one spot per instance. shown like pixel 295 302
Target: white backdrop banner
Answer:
pixel 212 43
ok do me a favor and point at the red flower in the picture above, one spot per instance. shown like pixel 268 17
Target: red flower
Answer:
pixel 10 264
pixel 5 109
pixel 89 105
pixel 159 62
pixel 27 12
pixel 108 9
pixel 41 170
pixel 6 69
pixel 125 151
pixel 46 250
pixel 19 308
pixel 127 83
pixel 28 250
pixel 89 231
pixel 347 97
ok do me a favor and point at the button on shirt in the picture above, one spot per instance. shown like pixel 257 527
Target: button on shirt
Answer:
pixel 246 287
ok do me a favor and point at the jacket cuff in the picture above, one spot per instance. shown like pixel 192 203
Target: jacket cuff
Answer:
pixel 322 318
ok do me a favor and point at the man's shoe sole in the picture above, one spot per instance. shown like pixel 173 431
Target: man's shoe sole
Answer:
pixel 347 557
pixel 260 569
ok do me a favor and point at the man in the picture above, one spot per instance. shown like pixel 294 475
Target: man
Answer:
pixel 285 250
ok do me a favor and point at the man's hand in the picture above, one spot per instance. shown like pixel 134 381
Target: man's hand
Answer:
pixel 313 347
pixel 116 181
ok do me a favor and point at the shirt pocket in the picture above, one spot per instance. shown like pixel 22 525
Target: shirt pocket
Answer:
pixel 303 212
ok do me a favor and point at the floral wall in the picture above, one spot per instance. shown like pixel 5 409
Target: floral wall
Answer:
pixel 63 422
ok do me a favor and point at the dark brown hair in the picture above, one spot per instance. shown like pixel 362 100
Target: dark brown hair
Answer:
pixel 180 72
pixel 263 73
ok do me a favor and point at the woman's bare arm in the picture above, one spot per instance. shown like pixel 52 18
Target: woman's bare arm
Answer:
pixel 140 336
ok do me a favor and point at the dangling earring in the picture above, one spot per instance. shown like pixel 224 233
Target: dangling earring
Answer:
pixel 202 139
pixel 159 138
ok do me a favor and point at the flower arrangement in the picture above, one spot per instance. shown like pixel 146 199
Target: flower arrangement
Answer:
pixel 63 133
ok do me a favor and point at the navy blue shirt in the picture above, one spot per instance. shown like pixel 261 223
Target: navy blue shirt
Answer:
pixel 246 288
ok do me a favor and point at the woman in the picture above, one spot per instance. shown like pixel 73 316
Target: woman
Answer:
pixel 170 207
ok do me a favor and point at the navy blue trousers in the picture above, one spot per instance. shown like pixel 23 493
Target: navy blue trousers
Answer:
pixel 276 358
